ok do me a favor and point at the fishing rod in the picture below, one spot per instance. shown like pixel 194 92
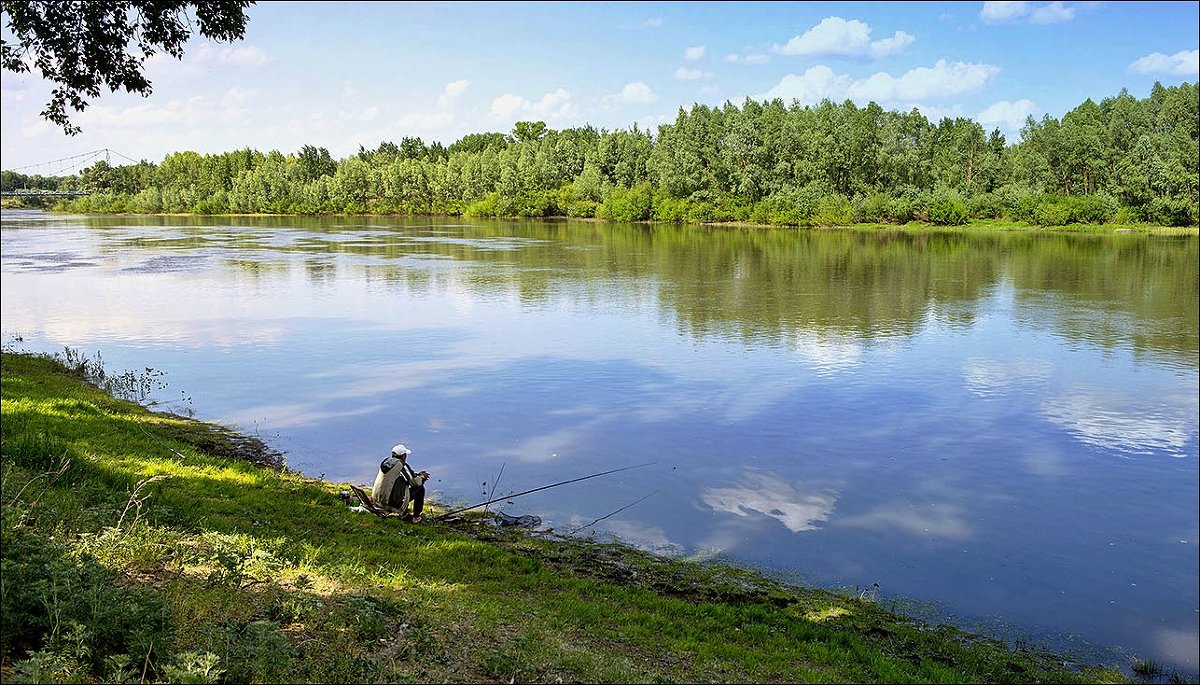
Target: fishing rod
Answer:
pixel 544 487
pixel 576 530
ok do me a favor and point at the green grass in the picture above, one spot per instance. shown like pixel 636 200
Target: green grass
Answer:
pixel 137 546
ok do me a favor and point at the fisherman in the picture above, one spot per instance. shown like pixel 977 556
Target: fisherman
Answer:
pixel 397 484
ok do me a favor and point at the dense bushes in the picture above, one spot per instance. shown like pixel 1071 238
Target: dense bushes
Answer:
pixel 986 206
pixel 812 205
pixel 1171 211
pixel 833 210
pixel 946 208
pixel 628 204
pixel 789 208
pixel 1055 210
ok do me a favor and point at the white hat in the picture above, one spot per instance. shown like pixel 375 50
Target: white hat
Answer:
pixel 401 451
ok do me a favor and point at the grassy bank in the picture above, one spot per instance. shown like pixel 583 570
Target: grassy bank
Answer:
pixel 140 546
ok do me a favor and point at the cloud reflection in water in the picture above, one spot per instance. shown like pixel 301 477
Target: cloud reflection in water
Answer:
pixel 294 415
pixel 773 497
pixel 1102 418
pixel 991 378
pixel 828 354
pixel 930 520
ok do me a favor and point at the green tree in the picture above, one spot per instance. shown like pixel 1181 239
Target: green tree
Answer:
pixel 529 131
pixel 478 142
pixel 589 185
pixel 96 178
pixel 903 159
pixel 405 184
pixel 352 185
pixel 132 179
pixel 963 158
pixel 81 46
pixel 1083 138
pixel 315 162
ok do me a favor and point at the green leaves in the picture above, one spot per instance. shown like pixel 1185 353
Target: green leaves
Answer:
pixel 529 131
pixel 82 46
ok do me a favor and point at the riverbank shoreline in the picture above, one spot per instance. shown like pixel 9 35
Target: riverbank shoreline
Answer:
pixel 190 562
pixel 974 225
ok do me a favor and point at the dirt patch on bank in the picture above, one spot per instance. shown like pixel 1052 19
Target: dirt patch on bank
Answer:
pixel 220 441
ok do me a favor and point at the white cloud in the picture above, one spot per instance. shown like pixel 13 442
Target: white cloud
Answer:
pixel 935 113
pixel 990 378
pixel 140 116
pixel 634 92
pixel 14 87
pixel 940 80
pixel 278 416
pixel 165 70
pixel 923 82
pixel 816 84
pixel 1053 13
pixel 245 56
pixel 947 521
pixel 37 127
pixel 1182 63
pixel 995 12
pixel 652 122
pixel 653 23
pixel 748 59
pixel 425 121
pixel 828 354
pixel 508 105
pixel 1048 13
pixel 456 88
pixel 439 119
pixel 684 74
pixel 893 45
pixel 773 497
pixel 555 105
pixel 1126 422
pixel 1008 116
pixel 239 56
pixel 693 53
pixel 844 38
pixel 236 98
pixel 198 113
pixel 452 92
pixel 546 447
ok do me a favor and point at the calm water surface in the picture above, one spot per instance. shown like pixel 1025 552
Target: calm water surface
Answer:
pixel 1005 425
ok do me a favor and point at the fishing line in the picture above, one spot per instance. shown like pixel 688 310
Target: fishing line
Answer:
pixel 576 530
pixel 544 487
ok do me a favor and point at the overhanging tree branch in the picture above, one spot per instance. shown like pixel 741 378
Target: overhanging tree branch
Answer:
pixel 84 45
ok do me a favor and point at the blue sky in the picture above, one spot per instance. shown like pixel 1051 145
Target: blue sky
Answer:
pixel 343 74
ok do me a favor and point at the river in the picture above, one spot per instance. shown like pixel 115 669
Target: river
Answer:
pixel 995 429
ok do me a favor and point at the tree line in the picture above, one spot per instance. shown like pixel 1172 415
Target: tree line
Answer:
pixel 1123 160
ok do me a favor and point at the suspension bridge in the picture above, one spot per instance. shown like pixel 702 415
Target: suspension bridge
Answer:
pixel 35 192
pixel 66 166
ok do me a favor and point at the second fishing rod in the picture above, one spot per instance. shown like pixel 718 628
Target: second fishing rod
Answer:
pixel 539 489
